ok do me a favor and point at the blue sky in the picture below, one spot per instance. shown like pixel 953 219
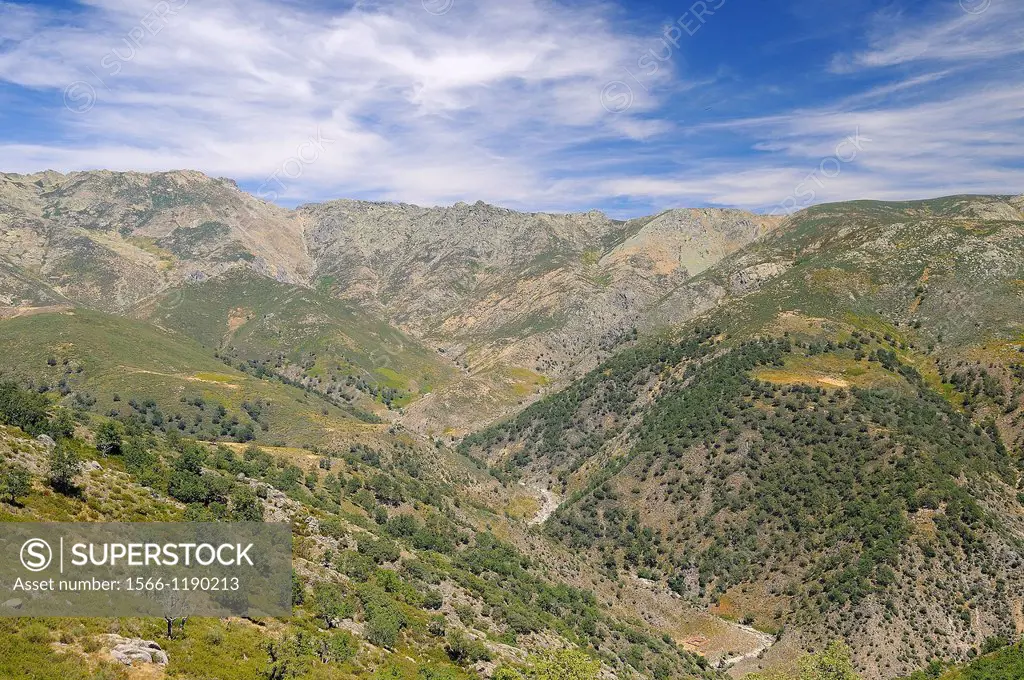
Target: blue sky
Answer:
pixel 627 107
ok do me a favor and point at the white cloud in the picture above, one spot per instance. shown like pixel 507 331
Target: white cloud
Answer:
pixel 957 35
pixel 420 107
pixel 959 129
pixel 501 100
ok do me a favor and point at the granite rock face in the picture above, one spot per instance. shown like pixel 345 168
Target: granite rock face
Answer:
pixel 134 651
pixel 515 301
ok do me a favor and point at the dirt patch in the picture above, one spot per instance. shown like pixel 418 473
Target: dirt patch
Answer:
pixel 237 318
pixel 15 312
pixel 190 378
pixel 783 377
pixel 549 502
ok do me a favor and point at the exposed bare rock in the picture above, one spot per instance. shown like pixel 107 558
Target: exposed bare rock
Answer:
pixel 751 277
pixel 519 302
pixel 110 240
pixel 133 651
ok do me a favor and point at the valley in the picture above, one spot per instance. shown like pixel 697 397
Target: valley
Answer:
pixel 696 444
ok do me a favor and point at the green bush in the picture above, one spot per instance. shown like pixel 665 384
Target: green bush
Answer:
pixel 465 650
pixel 64 465
pixel 23 409
pixel 15 482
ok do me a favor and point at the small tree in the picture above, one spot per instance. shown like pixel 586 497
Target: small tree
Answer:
pixel 465 650
pixel 108 438
pixel 23 408
pixel 329 603
pixel 62 426
pixel 177 605
pixel 246 505
pixel 15 482
pixel 298 590
pixel 65 464
pixel 832 663
pixel 565 664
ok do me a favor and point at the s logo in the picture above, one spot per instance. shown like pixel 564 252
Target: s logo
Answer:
pixel 36 554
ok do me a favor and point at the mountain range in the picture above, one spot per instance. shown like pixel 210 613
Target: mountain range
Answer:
pixel 746 435
pixel 507 303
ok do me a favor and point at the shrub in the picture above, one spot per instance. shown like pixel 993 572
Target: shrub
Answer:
pixel 15 482
pixel 382 629
pixel 465 650
pixel 108 438
pixel 246 505
pixel 380 551
pixel 23 408
pixel 342 647
pixel 384 620
pixel 64 465
pixel 329 603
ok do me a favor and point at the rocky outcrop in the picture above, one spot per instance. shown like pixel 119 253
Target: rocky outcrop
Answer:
pixel 134 651
pixel 500 291
pixel 110 240
pixel 751 278
pixel 517 300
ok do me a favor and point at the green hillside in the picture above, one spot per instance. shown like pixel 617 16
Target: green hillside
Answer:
pixel 391 579
pixel 122 368
pixel 815 442
pixel 331 346
pixel 1005 664
pixel 818 445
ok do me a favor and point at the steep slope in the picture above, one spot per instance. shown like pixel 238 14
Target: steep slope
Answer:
pixel 828 447
pixel 108 240
pixel 518 299
pixel 510 303
pixel 113 366
pixel 1004 664
pixel 855 476
pixel 306 337
pixel 391 577
pixel 873 257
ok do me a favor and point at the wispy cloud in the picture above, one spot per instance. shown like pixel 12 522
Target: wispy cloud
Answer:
pixel 959 129
pixel 976 31
pixel 500 100
pixel 423 106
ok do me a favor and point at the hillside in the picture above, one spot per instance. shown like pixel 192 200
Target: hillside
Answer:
pixel 392 577
pixel 508 303
pixel 753 437
pixel 329 346
pixel 832 452
pixel 517 299
pixel 115 367
pixel 110 240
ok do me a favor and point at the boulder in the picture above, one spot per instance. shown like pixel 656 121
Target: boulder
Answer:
pixel 131 650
